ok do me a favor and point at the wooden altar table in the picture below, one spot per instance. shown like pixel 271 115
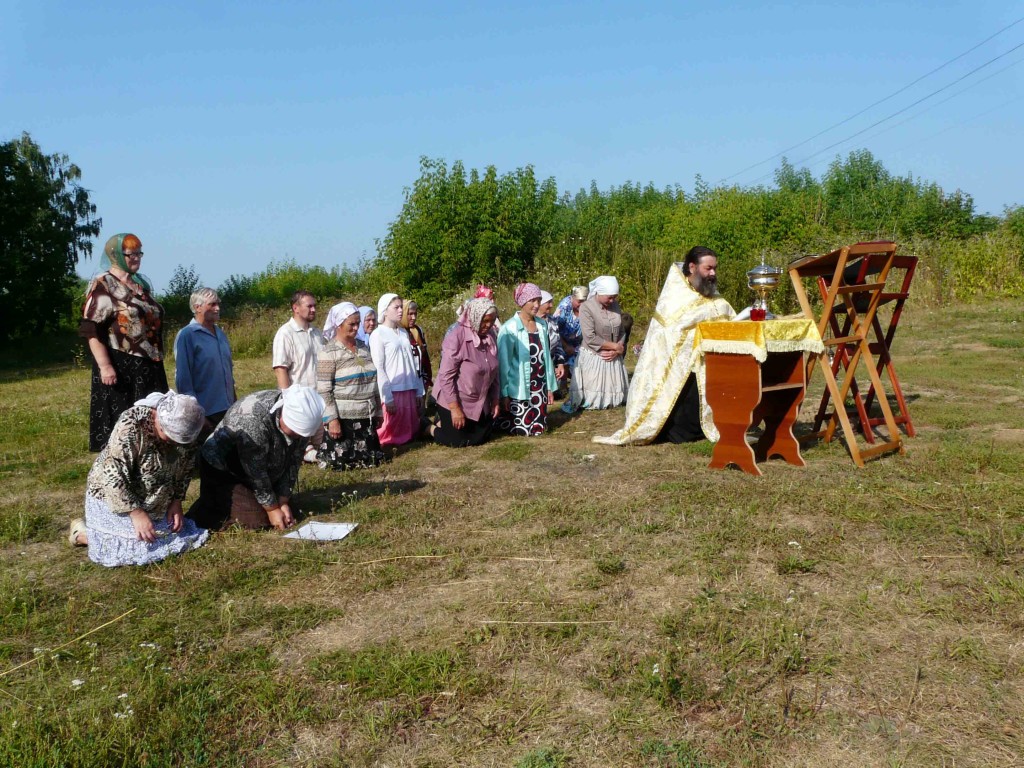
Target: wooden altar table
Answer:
pixel 754 372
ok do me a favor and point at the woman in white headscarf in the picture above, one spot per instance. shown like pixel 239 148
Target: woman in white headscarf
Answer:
pixel 600 379
pixel 134 492
pixel 347 381
pixel 249 466
pixel 398 380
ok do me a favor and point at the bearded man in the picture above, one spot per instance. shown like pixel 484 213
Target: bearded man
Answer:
pixel 666 400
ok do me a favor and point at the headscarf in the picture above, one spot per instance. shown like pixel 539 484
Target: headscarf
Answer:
pixel 605 285
pixel 483 292
pixel 383 303
pixel 361 334
pixel 302 410
pixel 412 328
pixel 180 416
pixel 114 250
pixel 338 314
pixel 545 297
pixel 526 292
pixel 473 316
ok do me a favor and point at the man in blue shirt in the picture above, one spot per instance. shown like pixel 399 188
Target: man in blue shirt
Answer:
pixel 202 358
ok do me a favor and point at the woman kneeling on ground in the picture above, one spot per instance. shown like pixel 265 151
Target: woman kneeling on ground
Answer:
pixel 249 466
pixel 526 372
pixel 466 389
pixel 347 381
pixel 135 488
pixel 600 379
pixel 398 381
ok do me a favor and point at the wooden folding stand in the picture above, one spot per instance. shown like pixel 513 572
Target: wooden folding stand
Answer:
pixel 859 302
pixel 897 296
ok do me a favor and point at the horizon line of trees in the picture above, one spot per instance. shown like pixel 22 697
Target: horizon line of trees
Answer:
pixel 457 228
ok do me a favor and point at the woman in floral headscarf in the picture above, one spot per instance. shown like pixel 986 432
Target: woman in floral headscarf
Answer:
pixel 466 389
pixel 123 325
pixel 527 373
pixel 134 492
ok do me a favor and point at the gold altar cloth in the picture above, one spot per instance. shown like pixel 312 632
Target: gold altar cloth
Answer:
pixel 746 337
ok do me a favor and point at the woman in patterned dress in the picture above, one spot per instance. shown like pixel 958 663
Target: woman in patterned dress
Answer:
pixel 526 372
pixel 347 381
pixel 123 324
pixel 134 492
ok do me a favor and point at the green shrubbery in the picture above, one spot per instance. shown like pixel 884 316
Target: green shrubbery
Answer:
pixel 457 228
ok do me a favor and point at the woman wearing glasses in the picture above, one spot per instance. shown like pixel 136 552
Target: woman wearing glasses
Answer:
pixel 123 325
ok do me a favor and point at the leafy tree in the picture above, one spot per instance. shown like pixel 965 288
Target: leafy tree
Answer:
pixel 176 301
pixel 453 230
pixel 46 224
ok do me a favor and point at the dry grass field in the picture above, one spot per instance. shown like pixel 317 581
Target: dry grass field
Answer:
pixel 548 602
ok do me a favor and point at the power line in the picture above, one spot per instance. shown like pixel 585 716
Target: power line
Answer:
pixel 948 98
pixel 961 123
pixel 875 104
pixel 914 104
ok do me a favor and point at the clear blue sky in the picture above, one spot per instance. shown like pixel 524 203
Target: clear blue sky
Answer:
pixel 228 135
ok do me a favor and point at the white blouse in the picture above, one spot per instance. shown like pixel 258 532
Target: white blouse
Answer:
pixel 391 351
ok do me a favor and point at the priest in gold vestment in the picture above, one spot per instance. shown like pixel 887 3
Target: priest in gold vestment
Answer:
pixel 666 397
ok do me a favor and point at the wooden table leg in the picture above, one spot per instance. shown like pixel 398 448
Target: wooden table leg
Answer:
pixel 779 411
pixel 733 390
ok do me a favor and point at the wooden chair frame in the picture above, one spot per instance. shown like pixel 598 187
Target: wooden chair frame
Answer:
pixel 840 296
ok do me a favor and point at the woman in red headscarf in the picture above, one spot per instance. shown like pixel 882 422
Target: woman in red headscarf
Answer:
pixel 123 325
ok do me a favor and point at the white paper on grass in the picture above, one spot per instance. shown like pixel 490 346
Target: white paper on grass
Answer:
pixel 315 531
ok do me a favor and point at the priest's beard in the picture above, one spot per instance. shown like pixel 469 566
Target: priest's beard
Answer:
pixel 705 286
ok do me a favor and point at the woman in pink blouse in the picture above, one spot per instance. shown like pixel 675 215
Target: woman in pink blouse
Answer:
pixel 466 386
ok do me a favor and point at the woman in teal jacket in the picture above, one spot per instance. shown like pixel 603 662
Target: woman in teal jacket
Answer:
pixel 525 370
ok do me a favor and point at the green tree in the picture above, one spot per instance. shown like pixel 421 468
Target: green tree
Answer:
pixel 453 230
pixel 176 301
pixel 46 224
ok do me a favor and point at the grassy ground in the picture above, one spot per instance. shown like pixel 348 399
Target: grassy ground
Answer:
pixel 549 602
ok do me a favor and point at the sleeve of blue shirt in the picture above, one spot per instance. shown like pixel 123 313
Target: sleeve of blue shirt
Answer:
pixel 183 363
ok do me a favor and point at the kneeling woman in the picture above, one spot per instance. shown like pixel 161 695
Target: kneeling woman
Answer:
pixel 347 381
pixel 466 388
pixel 134 492
pixel 600 379
pixel 526 372
pixel 250 464
pixel 398 381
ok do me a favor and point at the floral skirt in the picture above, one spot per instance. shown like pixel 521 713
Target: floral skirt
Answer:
pixel 136 378
pixel 113 541
pixel 357 448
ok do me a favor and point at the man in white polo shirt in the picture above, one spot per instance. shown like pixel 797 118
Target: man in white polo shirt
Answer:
pixel 297 343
